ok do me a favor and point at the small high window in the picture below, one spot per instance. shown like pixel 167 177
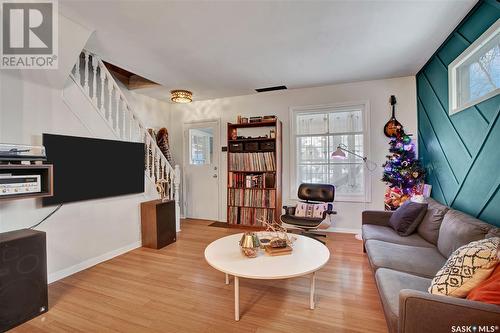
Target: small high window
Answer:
pixel 475 75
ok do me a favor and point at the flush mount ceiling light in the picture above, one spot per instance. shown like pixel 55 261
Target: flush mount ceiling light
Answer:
pixel 181 96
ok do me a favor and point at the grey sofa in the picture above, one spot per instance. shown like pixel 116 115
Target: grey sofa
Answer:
pixel 405 266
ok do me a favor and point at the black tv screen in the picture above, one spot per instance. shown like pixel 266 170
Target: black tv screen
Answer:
pixel 87 168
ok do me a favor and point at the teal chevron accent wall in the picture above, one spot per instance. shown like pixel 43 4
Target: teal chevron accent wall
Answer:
pixel 461 152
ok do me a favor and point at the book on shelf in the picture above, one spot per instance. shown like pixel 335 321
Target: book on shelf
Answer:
pixel 252 198
pixel 249 216
pixel 242 180
pixel 252 161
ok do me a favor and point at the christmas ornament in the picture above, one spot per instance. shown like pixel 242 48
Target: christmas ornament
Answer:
pixel 403 173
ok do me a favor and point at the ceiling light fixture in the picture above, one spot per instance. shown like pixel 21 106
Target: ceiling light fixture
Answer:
pixel 181 96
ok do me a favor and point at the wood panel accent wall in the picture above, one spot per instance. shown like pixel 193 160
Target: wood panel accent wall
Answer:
pixel 461 152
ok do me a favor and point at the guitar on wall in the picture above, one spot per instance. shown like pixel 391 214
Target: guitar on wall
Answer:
pixel 393 127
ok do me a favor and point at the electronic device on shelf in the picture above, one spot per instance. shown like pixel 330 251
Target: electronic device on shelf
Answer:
pixel 19 184
pixel 269 118
pixel 14 152
pixel 257 119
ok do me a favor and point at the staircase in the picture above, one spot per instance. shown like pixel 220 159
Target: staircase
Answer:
pixel 100 88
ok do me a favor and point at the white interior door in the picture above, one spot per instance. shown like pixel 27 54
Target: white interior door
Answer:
pixel 201 170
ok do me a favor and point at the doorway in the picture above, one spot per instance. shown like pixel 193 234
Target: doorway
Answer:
pixel 201 170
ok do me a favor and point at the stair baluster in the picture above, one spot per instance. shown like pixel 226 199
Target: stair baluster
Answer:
pixel 117 111
pixel 86 73
pixel 94 80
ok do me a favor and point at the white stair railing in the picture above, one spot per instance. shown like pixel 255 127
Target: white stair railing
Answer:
pixel 97 83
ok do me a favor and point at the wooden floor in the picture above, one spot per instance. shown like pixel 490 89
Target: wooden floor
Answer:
pixel 175 290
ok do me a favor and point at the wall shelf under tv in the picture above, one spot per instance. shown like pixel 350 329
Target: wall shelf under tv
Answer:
pixel 46 177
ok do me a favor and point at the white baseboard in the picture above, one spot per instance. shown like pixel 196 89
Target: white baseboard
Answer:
pixel 91 262
pixel 344 230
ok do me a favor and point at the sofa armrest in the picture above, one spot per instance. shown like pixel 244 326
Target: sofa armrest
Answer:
pixel 423 312
pixel 377 217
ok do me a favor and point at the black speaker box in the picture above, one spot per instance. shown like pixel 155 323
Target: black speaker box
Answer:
pixel 23 277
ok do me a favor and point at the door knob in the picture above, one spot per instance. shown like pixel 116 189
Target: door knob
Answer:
pixel 215 175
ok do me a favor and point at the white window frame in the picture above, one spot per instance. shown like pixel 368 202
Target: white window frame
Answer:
pixel 471 51
pixel 328 108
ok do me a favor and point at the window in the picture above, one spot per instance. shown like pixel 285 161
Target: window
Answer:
pixel 475 75
pixel 316 133
pixel 201 141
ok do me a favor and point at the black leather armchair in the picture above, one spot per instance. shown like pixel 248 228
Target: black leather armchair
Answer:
pixel 311 193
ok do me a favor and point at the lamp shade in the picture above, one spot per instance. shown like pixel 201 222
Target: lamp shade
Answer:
pixel 339 153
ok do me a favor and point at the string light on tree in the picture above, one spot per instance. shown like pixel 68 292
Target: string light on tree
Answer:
pixel 402 171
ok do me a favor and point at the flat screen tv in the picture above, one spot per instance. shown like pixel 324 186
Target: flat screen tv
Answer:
pixel 87 168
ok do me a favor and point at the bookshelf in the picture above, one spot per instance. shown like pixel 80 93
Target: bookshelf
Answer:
pixel 254 174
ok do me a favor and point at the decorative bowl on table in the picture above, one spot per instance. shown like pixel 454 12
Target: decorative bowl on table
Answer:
pixel 250 244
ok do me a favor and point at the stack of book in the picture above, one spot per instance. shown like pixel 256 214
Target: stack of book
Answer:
pixel 252 162
pixel 251 198
pixel 251 180
pixel 250 216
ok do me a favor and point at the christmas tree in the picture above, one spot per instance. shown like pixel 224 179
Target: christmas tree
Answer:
pixel 402 171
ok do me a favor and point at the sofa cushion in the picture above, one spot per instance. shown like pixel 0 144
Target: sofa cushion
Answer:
pixel 422 261
pixel 387 234
pixel 493 232
pixel 428 229
pixel 390 283
pixel 458 229
pixel 488 291
pixel 466 268
pixel 310 210
pixel 407 217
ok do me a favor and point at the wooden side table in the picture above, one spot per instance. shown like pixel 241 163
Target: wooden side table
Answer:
pixel 158 223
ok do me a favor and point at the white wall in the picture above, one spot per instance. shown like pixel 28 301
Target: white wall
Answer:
pixel 79 234
pixel 278 103
pixel 153 112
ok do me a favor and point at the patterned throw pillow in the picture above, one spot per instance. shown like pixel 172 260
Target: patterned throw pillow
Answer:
pixel 310 210
pixel 466 268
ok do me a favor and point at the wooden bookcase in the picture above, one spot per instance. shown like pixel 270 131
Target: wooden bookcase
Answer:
pixel 254 192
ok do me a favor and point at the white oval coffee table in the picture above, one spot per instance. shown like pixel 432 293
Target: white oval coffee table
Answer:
pixel 307 257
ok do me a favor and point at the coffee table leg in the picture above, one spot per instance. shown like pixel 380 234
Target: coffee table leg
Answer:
pixel 311 295
pixel 227 278
pixel 236 298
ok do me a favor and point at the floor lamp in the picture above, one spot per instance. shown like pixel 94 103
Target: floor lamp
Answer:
pixel 340 153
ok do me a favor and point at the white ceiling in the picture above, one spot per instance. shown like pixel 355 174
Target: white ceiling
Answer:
pixel 221 49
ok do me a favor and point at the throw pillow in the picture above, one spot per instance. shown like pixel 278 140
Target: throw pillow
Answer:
pixel 428 229
pixel 310 210
pixel 407 217
pixel 466 268
pixel 489 290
